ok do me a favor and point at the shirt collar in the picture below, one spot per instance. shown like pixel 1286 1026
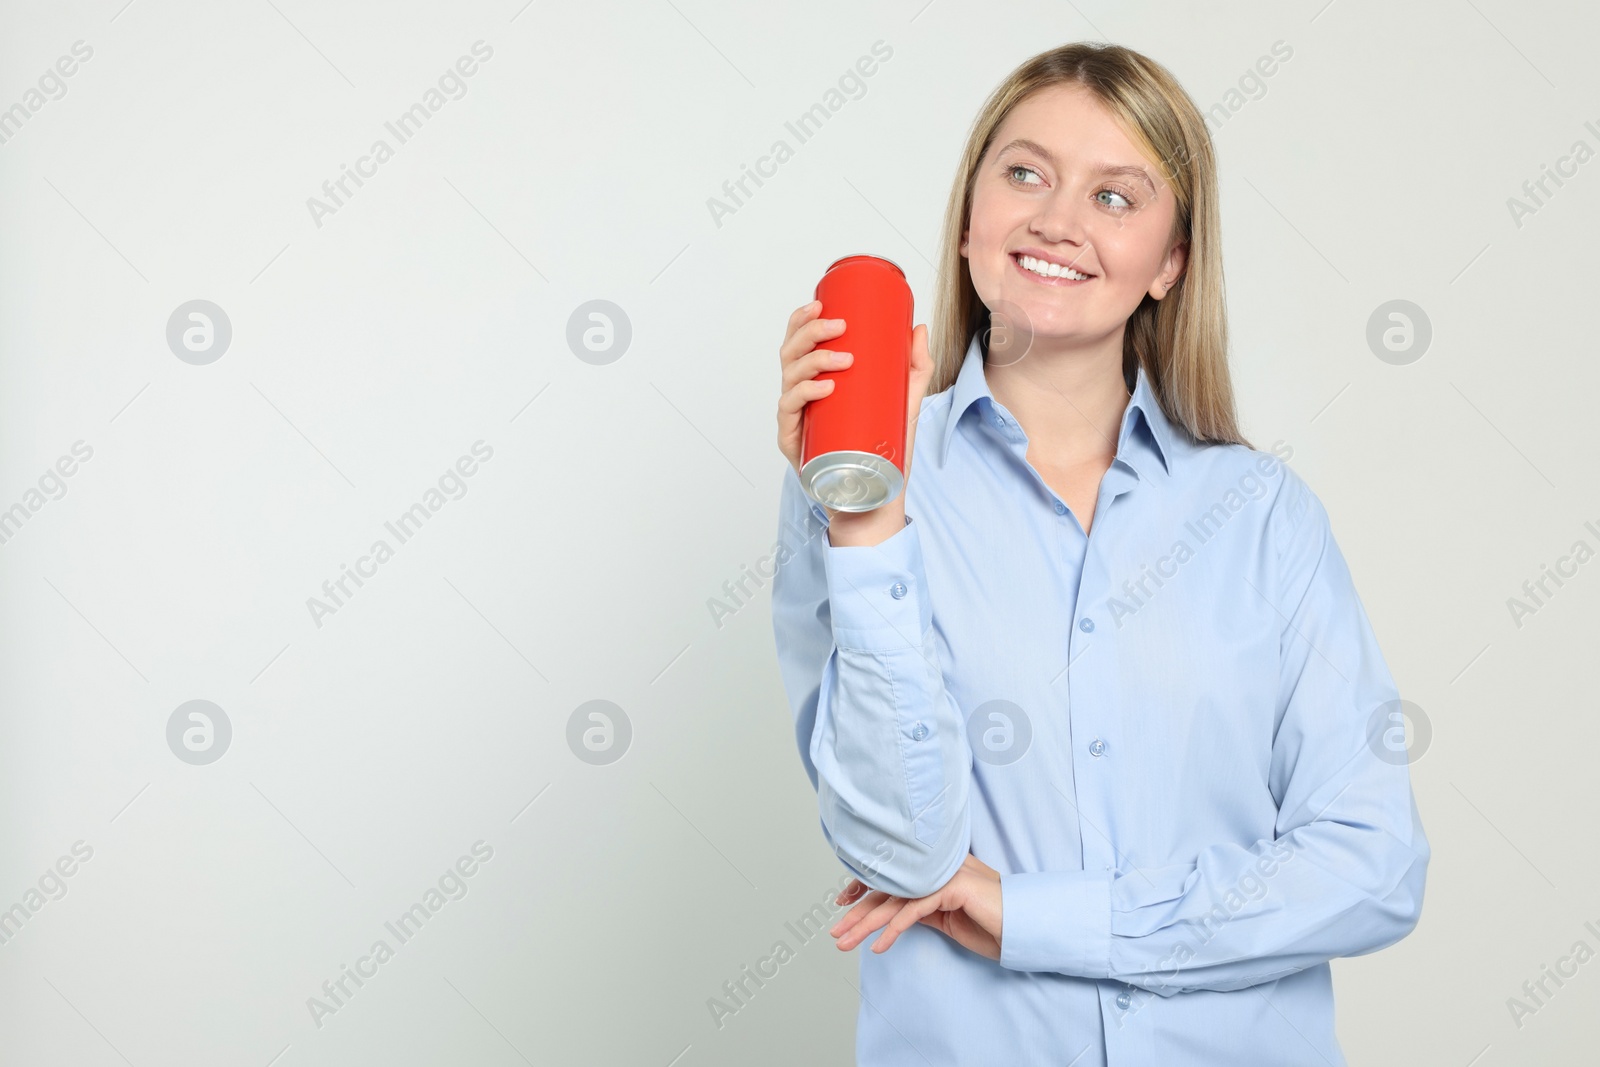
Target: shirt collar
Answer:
pixel 972 386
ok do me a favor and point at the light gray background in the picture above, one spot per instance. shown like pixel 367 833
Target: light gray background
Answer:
pixel 431 311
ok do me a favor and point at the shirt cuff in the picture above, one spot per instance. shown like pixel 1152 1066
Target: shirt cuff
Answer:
pixel 1056 921
pixel 876 592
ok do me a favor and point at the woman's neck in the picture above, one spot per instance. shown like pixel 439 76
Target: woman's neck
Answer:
pixel 1070 404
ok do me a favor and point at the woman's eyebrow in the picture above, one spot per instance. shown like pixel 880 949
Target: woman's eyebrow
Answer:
pixel 1125 170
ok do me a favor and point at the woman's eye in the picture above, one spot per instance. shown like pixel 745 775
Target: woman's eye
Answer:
pixel 1123 206
pixel 1012 172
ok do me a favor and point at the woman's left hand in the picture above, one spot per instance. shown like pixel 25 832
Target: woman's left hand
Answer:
pixel 966 909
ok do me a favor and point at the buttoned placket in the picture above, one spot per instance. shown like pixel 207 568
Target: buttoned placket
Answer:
pixel 1093 699
pixel 1092 705
pixel 1096 726
pixel 1094 702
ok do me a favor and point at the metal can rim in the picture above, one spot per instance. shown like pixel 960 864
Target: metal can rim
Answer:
pixel 867 255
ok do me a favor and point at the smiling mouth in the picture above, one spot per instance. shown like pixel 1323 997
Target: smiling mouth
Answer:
pixel 1048 272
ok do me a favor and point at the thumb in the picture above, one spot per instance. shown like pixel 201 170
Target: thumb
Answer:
pixel 921 364
pixel 920 374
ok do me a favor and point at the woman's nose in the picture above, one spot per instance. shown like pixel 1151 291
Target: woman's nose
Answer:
pixel 1062 218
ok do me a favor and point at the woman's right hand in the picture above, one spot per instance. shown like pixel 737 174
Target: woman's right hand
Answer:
pixel 802 361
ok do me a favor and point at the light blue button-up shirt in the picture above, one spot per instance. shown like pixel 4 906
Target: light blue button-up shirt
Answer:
pixel 1172 737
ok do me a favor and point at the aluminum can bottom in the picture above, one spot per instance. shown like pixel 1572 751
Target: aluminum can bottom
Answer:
pixel 851 481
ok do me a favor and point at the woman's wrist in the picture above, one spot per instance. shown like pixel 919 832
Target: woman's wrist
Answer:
pixel 852 529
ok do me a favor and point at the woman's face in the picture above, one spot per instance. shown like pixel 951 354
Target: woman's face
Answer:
pixel 1061 182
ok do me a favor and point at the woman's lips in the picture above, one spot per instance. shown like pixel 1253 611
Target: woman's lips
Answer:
pixel 1042 280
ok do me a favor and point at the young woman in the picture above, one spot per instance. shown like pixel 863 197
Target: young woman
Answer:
pixel 1093 710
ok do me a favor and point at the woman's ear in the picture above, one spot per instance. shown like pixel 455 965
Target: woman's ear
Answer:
pixel 1177 259
pixel 1171 270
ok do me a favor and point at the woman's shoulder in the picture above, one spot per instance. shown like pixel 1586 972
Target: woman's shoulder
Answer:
pixel 1235 475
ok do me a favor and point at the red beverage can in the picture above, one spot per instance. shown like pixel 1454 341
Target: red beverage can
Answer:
pixel 853 441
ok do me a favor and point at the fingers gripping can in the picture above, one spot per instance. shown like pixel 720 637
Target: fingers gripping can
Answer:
pixel 853 441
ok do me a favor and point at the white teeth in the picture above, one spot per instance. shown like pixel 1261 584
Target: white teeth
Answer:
pixel 1050 270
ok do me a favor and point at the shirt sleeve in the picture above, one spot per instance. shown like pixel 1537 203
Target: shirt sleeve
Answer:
pixel 1344 872
pixel 881 738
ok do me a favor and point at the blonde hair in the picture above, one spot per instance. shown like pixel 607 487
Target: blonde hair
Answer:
pixel 1181 341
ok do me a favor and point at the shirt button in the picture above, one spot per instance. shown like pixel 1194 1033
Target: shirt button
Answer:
pixel 1086 624
pixel 919 731
pixel 1061 509
pixel 897 590
pixel 1096 747
pixel 1123 1000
